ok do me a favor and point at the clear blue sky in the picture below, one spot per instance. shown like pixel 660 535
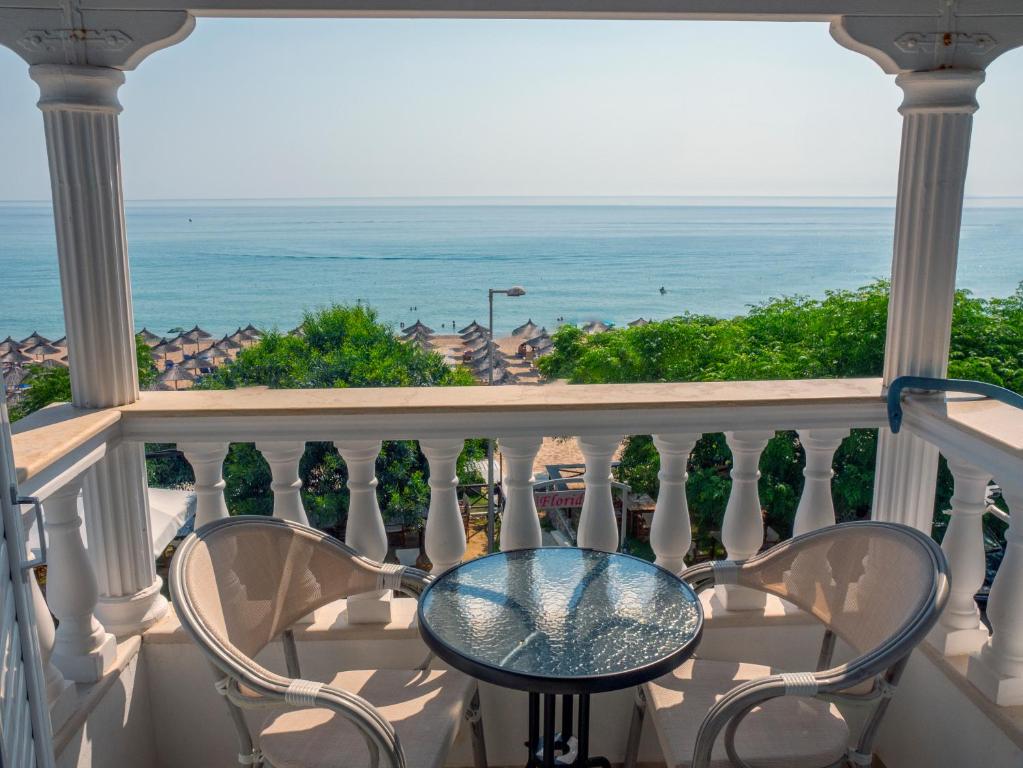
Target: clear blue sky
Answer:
pixel 327 108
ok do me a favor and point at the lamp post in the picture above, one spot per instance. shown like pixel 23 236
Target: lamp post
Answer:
pixel 516 290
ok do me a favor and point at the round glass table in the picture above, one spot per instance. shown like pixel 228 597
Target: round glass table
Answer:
pixel 561 620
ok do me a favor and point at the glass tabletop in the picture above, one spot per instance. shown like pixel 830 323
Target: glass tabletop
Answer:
pixel 561 620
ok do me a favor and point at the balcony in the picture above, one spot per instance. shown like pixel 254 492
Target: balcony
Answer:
pixel 149 695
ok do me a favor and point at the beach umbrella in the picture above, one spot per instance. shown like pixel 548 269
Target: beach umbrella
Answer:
pixel 595 326
pixel 34 339
pixel 539 339
pixel 15 357
pixel 421 343
pixel 252 330
pixel 638 322
pixel 14 376
pixel 166 348
pixel 42 350
pixel 150 338
pixel 471 338
pixel 61 342
pixel 9 345
pixel 192 364
pixel 526 329
pixel 214 354
pixel 417 327
pixel 175 375
pixel 51 363
pixel 471 327
pixel 227 343
pixel 199 333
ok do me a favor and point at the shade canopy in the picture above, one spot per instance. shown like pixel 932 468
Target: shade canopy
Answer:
pixel 596 326
pixel 417 327
pixel 193 364
pixel 639 321
pixel 42 350
pixel 177 373
pixel 9 345
pixel 528 328
pixel 199 333
pixel 167 348
pixel 473 326
pixel 149 337
pixel 15 357
pixel 34 339
pixel 227 343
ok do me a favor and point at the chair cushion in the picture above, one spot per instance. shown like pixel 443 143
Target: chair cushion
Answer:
pixel 425 709
pixel 787 732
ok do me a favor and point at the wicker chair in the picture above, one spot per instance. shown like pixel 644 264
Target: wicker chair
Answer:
pixel 877 588
pixel 242 582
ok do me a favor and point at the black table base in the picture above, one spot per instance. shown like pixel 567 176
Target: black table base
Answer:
pixel 563 748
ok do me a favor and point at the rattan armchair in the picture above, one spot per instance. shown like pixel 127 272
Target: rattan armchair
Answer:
pixel 877 588
pixel 240 583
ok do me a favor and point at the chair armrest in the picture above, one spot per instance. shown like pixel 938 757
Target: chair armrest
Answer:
pixel 700 577
pixel 379 734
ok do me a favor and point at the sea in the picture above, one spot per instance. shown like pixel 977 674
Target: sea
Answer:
pixel 226 263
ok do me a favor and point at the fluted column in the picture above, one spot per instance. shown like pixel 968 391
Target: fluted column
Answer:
pixel 816 506
pixel 80 113
pixel 444 535
pixel 598 527
pixel 520 523
pixel 83 649
pixel 742 531
pixel 284 458
pixel 364 530
pixel 959 630
pixel 207 460
pixel 671 533
pixel 937 112
pixel 997 669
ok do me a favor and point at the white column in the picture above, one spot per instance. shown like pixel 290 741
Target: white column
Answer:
pixel 83 649
pixel 80 109
pixel 207 460
pixel 959 630
pixel 997 670
pixel 598 528
pixel 937 112
pixel 742 531
pixel 445 536
pixel 671 532
pixel 520 523
pixel 816 506
pixel 284 458
pixel 364 530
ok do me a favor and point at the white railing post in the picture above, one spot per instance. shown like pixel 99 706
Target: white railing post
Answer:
pixel 997 669
pixel 60 692
pixel 959 630
pixel 671 533
pixel 520 523
pixel 598 528
pixel 83 650
pixel 364 531
pixel 742 531
pixel 284 458
pixel 207 460
pixel 816 506
pixel 444 535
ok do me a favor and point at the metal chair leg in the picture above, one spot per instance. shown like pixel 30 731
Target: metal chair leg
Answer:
pixel 479 744
pixel 635 730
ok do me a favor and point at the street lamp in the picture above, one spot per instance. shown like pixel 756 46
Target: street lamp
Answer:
pixel 516 290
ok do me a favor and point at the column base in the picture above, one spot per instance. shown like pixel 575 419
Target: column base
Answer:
pixel 1003 690
pixel 957 642
pixel 370 607
pixel 89 667
pixel 63 701
pixel 734 598
pixel 132 614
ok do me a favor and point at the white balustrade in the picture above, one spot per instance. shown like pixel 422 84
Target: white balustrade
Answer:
pixel 364 530
pixel 997 669
pixel 959 630
pixel 742 531
pixel 816 506
pixel 445 534
pixel 60 692
pixel 671 533
pixel 83 650
pixel 520 524
pixel 598 528
pixel 207 460
pixel 284 458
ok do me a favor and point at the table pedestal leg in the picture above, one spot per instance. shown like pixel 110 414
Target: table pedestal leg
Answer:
pixel 564 749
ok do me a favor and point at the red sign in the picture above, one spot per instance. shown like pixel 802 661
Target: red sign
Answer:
pixel 558 499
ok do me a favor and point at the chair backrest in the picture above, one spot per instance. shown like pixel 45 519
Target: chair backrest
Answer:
pixel 239 582
pixel 878 586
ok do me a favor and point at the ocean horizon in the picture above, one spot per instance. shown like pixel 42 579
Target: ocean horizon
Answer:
pixel 225 263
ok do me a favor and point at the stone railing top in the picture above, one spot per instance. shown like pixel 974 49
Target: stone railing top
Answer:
pixel 45 437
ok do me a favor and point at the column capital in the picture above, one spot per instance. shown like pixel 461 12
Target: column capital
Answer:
pixel 953 39
pixel 87 37
pixel 946 91
pixel 77 87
